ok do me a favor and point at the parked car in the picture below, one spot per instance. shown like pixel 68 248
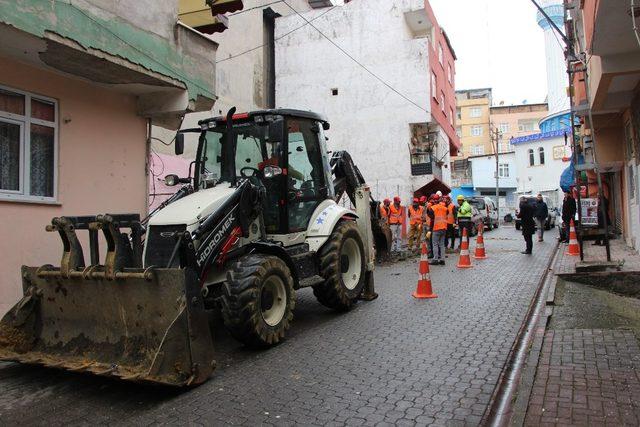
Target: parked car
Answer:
pixel 487 209
pixel 552 219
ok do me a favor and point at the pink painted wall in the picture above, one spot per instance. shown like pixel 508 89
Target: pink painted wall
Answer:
pixel 101 168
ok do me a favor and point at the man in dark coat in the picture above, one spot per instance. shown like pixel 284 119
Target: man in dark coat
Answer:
pixel 605 201
pixel 540 216
pixel 526 214
pixel 569 210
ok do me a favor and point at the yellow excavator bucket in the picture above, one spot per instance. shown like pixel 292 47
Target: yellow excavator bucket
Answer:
pixel 144 325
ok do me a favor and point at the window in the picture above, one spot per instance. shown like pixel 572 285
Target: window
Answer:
pixel 434 84
pixel 334 91
pixel 478 150
pixel 459 132
pixel 532 158
pixel 505 147
pixel 442 101
pixel 28 146
pixel 503 170
pixel 458 113
pixel 451 116
pixel 503 128
pixel 476 130
pixel 450 74
pixel 440 55
pixel 475 112
pixel 527 125
pixel 541 153
pixel 306 179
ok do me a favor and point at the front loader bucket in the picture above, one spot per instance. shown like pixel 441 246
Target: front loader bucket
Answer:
pixel 141 325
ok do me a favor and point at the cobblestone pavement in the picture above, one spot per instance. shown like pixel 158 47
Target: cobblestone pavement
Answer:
pixel 395 360
pixel 587 377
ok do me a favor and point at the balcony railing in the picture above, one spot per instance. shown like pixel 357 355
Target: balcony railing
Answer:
pixel 424 164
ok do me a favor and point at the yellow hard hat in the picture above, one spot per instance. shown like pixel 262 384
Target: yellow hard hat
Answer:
pixel 460 197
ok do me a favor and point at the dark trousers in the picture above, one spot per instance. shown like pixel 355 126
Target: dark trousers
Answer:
pixel 465 224
pixel 567 226
pixel 528 238
pixel 450 238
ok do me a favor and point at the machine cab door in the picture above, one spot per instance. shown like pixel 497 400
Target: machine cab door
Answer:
pixel 307 184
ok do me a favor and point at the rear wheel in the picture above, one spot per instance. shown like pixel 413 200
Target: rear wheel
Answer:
pixel 342 265
pixel 258 300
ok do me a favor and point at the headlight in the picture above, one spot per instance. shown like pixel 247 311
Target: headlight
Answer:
pixel 171 180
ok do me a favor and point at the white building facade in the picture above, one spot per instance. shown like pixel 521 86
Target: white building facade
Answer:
pixel 483 171
pixel 375 124
pixel 540 161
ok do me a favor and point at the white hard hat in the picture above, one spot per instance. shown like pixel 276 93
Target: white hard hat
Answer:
pixel 439 193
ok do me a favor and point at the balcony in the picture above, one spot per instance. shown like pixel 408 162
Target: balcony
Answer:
pixel 424 164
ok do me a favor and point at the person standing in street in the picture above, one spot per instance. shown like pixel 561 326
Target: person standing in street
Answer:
pixel 569 210
pixel 396 218
pixel 526 214
pixel 450 238
pixel 416 213
pixel 438 215
pixel 464 217
pixel 540 216
pixel 384 210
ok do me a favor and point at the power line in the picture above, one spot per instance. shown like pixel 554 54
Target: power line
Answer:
pixel 277 38
pixel 356 61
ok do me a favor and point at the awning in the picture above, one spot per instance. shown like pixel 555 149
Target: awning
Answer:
pixel 431 188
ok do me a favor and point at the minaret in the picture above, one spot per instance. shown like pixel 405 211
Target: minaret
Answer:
pixel 557 80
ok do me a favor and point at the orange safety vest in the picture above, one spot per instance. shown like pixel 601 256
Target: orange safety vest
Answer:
pixel 450 217
pixel 384 211
pixel 415 215
pixel 395 214
pixel 439 217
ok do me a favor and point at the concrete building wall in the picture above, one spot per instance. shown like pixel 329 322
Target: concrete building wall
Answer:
pixel 101 168
pixel 507 119
pixel 467 122
pixel 484 168
pixel 367 119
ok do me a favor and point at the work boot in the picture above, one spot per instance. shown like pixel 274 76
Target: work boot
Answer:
pixel 441 262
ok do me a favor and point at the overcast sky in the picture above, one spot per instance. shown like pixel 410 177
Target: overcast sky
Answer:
pixel 498 44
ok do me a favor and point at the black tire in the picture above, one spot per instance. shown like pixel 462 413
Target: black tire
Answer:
pixel 517 226
pixel 334 293
pixel 247 297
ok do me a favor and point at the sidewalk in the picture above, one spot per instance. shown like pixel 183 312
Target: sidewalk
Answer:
pixel 587 352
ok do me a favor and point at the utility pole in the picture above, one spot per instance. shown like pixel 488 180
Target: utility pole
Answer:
pixel 496 135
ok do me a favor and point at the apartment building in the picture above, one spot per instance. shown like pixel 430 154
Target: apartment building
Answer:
pixel 514 121
pixel 402 144
pixel 473 122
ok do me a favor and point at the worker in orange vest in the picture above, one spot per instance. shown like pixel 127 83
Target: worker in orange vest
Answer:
pixel 438 214
pixel 416 213
pixel 384 210
pixel 427 224
pixel 396 219
pixel 452 211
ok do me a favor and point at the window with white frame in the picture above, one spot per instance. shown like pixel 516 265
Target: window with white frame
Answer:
pixel 442 101
pixel 434 85
pixel 451 116
pixel 541 153
pixel 503 170
pixel 440 54
pixel 532 157
pixel 28 146
pixel 475 112
pixel 459 113
pixel 505 147
pixel 527 125
pixel 450 74
pixel 476 130
pixel 503 128
pixel 478 150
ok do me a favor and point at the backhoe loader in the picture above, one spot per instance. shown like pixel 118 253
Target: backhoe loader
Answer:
pixel 258 220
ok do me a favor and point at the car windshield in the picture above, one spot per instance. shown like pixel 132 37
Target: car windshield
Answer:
pixel 253 151
pixel 479 204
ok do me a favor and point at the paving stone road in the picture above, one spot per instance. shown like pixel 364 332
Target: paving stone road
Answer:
pixel 396 360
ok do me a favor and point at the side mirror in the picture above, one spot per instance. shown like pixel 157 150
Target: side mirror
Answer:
pixel 171 180
pixel 179 143
pixel 326 125
pixel 276 131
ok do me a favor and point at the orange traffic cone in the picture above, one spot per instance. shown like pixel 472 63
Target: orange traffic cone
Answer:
pixel 424 289
pixel 480 252
pixel 465 259
pixel 574 249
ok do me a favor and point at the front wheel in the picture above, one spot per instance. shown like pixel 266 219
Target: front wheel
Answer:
pixel 342 265
pixel 258 300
